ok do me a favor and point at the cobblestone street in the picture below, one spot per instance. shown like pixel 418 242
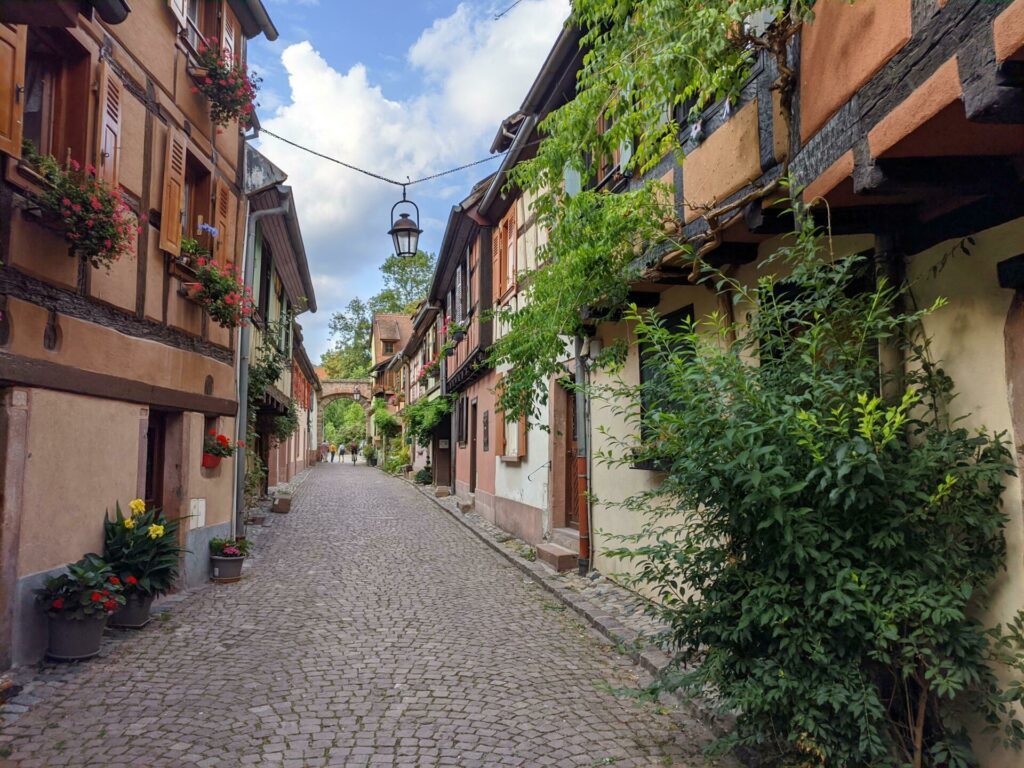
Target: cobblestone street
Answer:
pixel 370 628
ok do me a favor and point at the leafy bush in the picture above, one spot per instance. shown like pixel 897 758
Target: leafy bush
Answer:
pixel 823 538
pixel 397 462
pixel 384 421
pixel 425 476
pixel 285 426
pixel 423 416
pixel 142 549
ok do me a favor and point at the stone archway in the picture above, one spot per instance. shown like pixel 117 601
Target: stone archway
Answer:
pixel 357 390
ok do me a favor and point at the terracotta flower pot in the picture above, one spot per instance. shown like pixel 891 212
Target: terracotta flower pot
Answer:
pixel 210 461
pixel 225 570
pixel 75 639
pixel 134 614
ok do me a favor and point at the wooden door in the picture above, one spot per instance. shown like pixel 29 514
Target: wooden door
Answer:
pixel 572 479
pixel 472 447
pixel 156 446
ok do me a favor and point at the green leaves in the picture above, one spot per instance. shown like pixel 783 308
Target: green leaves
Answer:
pixel 834 542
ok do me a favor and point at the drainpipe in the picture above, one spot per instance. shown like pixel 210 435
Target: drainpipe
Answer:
pixel 242 422
pixel 582 460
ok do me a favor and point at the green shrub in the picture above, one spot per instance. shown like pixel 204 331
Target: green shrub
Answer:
pixel 824 538
pixel 425 476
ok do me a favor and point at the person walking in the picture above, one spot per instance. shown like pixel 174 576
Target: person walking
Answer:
pixel 341 452
pixel 333 449
pixel 323 451
pixel 355 452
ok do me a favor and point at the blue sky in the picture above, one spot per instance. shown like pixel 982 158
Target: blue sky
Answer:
pixel 401 88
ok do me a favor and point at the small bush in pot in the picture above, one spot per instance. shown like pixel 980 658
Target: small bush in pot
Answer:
pixel 77 604
pixel 142 549
pixel 425 476
pixel 226 558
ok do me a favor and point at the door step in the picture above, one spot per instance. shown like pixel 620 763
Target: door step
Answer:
pixel 559 558
pixel 566 537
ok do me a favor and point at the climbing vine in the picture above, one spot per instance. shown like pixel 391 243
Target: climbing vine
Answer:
pixel 649 66
pixel 424 415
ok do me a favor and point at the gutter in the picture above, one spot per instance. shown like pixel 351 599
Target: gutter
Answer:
pixel 507 162
pixel 259 13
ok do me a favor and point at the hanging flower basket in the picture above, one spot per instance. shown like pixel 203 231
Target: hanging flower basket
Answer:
pixel 230 88
pixel 221 293
pixel 210 461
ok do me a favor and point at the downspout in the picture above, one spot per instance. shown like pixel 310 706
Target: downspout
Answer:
pixel 582 459
pixel 242 422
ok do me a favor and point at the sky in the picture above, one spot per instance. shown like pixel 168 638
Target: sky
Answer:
pixel 404 88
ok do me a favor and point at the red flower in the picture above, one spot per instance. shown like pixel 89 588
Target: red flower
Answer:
pixel 114 580
pixel 110 605
pixel 58 603
pixel 131 580
pixel 96 597
pixel 240 443
pixel 194 89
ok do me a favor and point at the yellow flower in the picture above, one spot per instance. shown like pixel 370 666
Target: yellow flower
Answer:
pixel 129 523
pixel 137 506
pixel 156 531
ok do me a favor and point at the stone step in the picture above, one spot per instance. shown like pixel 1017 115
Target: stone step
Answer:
pixel 566 537
pixel 559 558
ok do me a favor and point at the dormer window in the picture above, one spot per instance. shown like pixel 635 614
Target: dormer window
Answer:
pixel 389 347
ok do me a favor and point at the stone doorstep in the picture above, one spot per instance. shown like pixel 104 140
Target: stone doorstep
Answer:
pixel 569 538
pixel 557 557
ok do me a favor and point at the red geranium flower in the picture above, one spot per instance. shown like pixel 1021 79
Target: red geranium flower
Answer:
pixel 96 597
pixel 114 580
pixel 58 603
pixel 131 580
pixel 110 605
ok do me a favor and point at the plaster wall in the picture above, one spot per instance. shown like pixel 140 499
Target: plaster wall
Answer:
pixel 483 391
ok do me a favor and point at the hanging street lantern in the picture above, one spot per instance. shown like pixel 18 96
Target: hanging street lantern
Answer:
pixel 405 231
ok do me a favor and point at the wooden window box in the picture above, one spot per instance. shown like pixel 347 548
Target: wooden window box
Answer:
pixel 182 269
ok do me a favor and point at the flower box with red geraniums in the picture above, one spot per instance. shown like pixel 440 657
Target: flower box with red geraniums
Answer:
pixel 217 447
pixel 77 604
pixel 94 219
pixel 220 293
pixel 230 88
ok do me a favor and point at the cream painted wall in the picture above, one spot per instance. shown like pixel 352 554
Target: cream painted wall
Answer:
pixel 214 486
pixel 967 339
pixel 83 456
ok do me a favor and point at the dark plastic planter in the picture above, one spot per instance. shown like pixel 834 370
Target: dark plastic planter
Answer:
pixel 134 614
pixel 225 570
pixel 75 639
pixel 458 336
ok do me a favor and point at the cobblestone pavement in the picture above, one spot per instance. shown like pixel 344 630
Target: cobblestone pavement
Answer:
pixel 370 629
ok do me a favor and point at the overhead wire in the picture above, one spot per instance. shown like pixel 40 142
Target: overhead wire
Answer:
pixel 380 177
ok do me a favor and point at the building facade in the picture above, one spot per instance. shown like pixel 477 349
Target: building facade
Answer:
pixel 111 377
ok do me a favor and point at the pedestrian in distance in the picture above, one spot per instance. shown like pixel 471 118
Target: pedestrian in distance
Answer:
pixel 323 451
pixel 341 452
pixel 333 449
pixel 355 452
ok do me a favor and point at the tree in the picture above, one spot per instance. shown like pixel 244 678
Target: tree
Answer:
pixel 406 282
pixel 344 422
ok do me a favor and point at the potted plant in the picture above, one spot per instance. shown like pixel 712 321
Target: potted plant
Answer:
pixel 226 558
pixel 217 447
pixel 77 604
pixel 221 294
pixel 230 88
pixel 142 550
pixel 370 454
pixel 94 219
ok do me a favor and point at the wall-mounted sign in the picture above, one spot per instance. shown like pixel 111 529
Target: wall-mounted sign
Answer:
pixel 443 444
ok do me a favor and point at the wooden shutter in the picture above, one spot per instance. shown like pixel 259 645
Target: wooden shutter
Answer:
pixel 180 10
pixel 513 247
pixel 227 32
pixel 174 192
pixel 523 429
pixel 496 244
pixel 459 298
pixel 499 418
pixel 12 87
pixel 224 221
pixel 108 141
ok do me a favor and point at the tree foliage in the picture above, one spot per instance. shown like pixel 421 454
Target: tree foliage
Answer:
pixel 406 282
pixel 344 422
pixel 424 415
pixel 821 549
pixel 649 66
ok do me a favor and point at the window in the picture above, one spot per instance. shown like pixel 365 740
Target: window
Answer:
pixel 195 207
pixel 57 87
pixel 503 255
pixel 511 441
pixel 200 21
pixel 655 396
pixel 462 420
pixel 389 347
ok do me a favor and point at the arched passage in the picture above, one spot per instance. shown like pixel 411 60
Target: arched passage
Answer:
pixel 356 390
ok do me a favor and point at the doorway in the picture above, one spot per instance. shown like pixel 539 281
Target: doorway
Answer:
pixel 572 479
pixel 472 447
pixel 156 455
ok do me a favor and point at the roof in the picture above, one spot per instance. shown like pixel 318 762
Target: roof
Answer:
pixel 254 19
pixel 392 326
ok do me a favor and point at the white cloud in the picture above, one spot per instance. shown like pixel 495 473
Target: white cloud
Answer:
pixel 475 71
